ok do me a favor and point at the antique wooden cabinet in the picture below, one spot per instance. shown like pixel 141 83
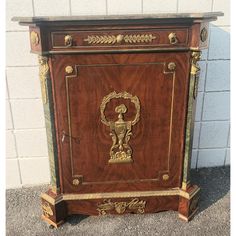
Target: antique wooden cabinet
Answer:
pixel 119 96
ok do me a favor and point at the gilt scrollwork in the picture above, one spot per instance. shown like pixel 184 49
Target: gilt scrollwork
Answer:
pixel 43 75
pixel 47 210
pixel 195 69
pixel 120 207
pixel 34 38
pixel 120 129
pixel 112 39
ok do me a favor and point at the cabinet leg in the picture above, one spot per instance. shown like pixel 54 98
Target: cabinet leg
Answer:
pixel 54 209
pixel 188 203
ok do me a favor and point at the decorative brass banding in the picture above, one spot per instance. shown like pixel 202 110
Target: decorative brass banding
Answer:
pixel 133 194
pixel 69 69
pixel 68 40
pixel 47 210
pixel 112 39
pixel 120 151
pixel 203 34
pixel 171 66
pixel 34 38
pixel 165 177
pixel 173 38
pixel 121 207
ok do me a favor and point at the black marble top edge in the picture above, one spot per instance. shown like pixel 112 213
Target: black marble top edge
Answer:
pixel 204 15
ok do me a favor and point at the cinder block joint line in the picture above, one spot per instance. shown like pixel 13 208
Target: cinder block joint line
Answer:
pixel 33 7
pixel 106 7
pixel 70 9
pixel 208 148
pixel 33 98
pixel 212 5
pixel 22 66
pixel 16 31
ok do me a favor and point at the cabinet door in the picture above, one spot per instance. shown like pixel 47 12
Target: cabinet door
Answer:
pixel 120 120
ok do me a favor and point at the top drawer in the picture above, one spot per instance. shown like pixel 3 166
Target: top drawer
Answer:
pixel 119 39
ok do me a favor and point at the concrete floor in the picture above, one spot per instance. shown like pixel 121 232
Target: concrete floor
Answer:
pixel 213 218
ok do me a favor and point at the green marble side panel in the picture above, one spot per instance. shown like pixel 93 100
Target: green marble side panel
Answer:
pixel 46 87
pixel 193 86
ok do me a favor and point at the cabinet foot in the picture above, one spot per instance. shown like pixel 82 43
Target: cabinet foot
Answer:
pixel 188 204
pixel 54 209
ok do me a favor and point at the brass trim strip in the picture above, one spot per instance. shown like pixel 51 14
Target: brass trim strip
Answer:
pixel 120 195
pixel 51 200
pixel 93 196
pixel 185 184
pixel 187 195
pixel 172 49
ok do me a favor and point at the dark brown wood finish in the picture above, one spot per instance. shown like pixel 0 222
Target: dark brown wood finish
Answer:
pixel 162 94
pixel 153 57
pixel 153 204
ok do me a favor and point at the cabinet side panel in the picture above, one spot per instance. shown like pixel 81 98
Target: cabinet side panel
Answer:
pixel 192 94
pixel 46 88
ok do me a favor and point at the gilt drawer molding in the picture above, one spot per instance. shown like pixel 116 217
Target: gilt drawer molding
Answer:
pixel 119 96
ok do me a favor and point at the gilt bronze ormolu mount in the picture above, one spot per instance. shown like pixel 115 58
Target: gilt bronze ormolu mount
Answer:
pixel 120 151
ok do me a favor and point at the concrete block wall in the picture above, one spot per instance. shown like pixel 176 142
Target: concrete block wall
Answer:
pixel 26 151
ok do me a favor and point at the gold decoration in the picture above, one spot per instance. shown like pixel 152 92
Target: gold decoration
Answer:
pixel 133 194
pixel 196 56
pixel 69 69
pixel 171 66
pixel 47 210
pixel 173 38
pixel 55 190
pixel 43 75
pixel 34 38
pixel 120 129
pixel 185 185
pixel 188 130
pixel 165 177
pixel 143 38
pixel 112 39
pixel 119 38
pixel 76 182
pixel 203 34
pixel 68 40
pixel 195 69
pixel 121 207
